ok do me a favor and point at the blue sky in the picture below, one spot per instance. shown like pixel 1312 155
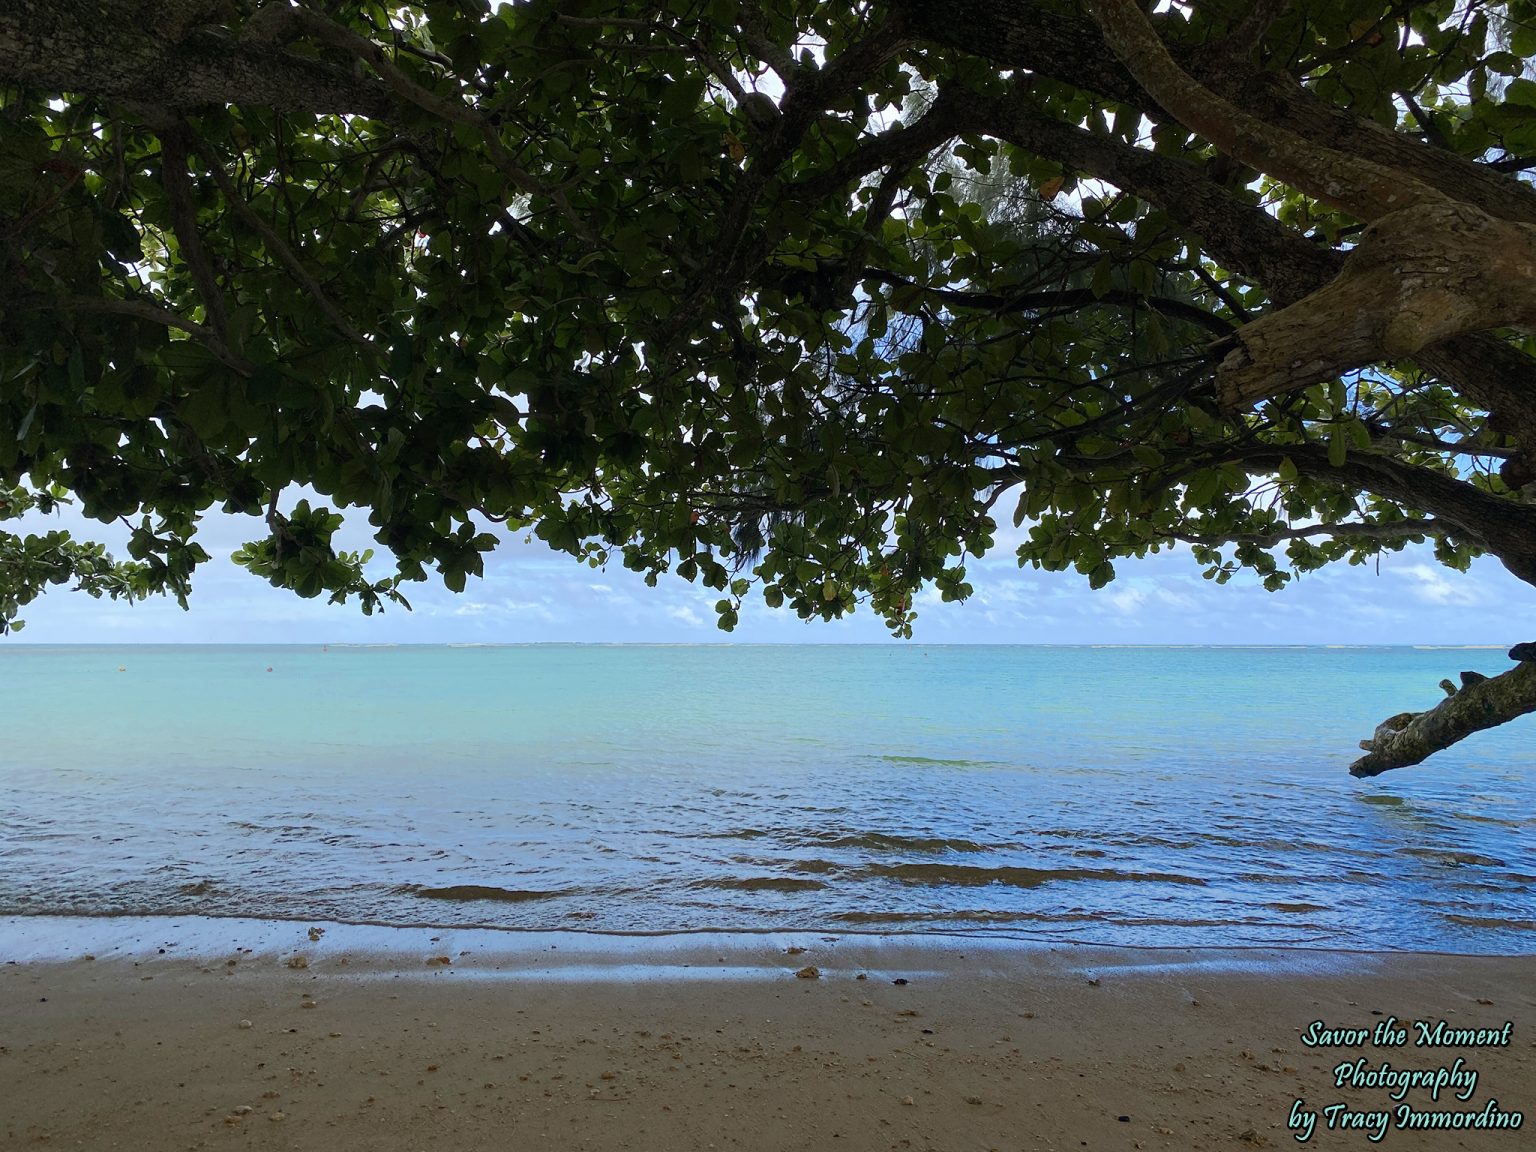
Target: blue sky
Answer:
pixel 532 594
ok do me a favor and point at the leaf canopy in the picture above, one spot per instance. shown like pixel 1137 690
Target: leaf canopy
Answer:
pixel 785 295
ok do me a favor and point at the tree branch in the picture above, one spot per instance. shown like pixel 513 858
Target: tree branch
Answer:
pixel 1001 302
pixel 1417 277
pixel 1501 526
pixel 327 31
pixel 1384 530
pixel 896 148
pixel 155 314
pixel 170 54
pixel 1412 737
pixel 1044 40
pixel 276 245
pixel 1244 240
pixel 1240 47
pixel 178 194
pixel 1359 187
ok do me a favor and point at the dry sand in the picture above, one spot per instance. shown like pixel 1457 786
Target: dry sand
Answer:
pixel 471 1041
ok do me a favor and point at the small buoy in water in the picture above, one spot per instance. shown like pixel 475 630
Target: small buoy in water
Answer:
pixel 269 667
pixel 120 668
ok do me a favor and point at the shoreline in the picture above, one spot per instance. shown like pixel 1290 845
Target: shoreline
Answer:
pixel 386 1039
pixel 52 938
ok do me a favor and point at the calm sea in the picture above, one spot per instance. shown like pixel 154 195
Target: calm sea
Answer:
pixel 1119 795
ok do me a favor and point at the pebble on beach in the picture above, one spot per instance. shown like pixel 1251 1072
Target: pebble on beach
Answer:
pixel 809 972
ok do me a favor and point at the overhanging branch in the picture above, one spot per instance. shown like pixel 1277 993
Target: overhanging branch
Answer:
pixel 1415 527
pixel 1071 298
pixel 1412 737
pixel 1360 187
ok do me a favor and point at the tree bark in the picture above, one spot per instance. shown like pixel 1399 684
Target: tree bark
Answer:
pixel 177 54
pixel 1417 277
pixel 1413 737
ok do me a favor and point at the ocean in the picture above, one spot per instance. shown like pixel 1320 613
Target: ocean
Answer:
pixel 1131 796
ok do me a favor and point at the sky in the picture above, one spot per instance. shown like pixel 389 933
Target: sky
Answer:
pixel 530 594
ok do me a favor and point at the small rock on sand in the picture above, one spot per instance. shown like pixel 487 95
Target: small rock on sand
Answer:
pixel 245 1024
pixel 298 961
pixel 809 972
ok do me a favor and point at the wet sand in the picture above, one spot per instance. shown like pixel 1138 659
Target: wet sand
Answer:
pixel 258 1036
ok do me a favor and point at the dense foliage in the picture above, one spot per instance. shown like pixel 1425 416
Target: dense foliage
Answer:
pixel 785 294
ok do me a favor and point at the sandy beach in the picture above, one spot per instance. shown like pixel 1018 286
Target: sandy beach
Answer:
pixel 278 1036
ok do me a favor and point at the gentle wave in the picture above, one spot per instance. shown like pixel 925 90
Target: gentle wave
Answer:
pixel 480 892
pixel 1089 794
pixel 762 884
pixel 960 874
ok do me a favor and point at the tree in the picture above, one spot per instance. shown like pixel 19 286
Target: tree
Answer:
pixel 776 295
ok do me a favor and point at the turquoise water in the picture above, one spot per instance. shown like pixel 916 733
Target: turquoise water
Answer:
pixel 1118 795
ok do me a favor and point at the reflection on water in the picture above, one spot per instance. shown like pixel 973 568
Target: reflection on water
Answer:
pixel 1136 796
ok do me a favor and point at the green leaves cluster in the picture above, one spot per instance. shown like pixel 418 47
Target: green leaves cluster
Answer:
pixel 805 350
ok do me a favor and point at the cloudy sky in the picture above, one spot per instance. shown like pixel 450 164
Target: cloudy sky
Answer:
pixel 532 594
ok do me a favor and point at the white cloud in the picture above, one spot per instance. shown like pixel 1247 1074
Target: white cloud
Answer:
pixel 1127 600
pixel 1434 587
pixel 685 614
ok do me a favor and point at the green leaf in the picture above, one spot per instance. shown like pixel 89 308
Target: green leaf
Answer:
pixel 1103 278
pixel 1338 447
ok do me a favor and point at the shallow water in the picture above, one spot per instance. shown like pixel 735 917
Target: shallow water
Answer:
pixel 1132 796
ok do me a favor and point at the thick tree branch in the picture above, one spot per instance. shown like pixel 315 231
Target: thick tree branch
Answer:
pixel 1417 277
pixel 1246 241
pixel 1042 39
pixel 169 54
pixel 1412 737
pixel 1359 187
pixel 1501 526
pixel 897 148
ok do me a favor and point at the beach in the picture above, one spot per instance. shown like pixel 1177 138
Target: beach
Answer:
pixel 440 899
pixel 285 1036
